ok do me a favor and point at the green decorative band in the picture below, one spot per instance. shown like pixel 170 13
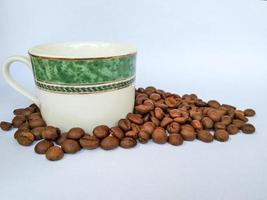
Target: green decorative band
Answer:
pixel 85 88
pixel 87 71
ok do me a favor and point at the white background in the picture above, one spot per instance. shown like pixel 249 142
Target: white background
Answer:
pixel 215 48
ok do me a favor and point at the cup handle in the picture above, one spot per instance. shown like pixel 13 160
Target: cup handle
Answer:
pixel 7 76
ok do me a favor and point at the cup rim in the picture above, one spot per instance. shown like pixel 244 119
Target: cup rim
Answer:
pixel 81 50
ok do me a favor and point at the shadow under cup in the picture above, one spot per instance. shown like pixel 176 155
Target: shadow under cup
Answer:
pixel 84 84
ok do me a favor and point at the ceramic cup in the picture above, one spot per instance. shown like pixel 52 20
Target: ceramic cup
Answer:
pixel 81 84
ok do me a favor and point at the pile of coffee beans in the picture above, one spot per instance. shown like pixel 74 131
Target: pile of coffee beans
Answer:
pixel 158 115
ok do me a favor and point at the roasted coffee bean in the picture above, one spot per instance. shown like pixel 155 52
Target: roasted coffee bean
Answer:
pixel 28 111
pixel 248 128
pixel 159 135
pixel 16 134
pixel 18 121
pixel 133 134
pixel 140 99
pixel 75 133
pixel 124 124
pixel 35 107
pixel 135 118
pixel 70 146
pixel 161 105
pixel 196 115
pixel 188 134
pixel 24 126
pixel 101 131
pixel 173 127
pixel 159 114
pixel 5 126
pixel 109 143
pixel 249 112
pixel 143 109
pixel 146 118
pixel 143 137
pixel 18 111
pixel 196 124
pixel 180 120
pixel 117 132
pixel 54 153
pixel 221 135
pixel 155 121
pixel 214 104
pixel 171 102
pixel 226 120
pixel 128 142
pixel 42 146
pixel 135 127
pixel 89 142
pixel 232 129
pixel 149 103
pixel 36 115
pixel 214 115
pixel 37 123
pixel 240 115
pixel 174 113
pixel 148 127
pixel 155 96
pixel 165 121
pixel 229 107
pixel 175 139
pixel 238 122
pixel 37 132
pixel 62 137
pixel 219 125
pixel 25 138
pixel 204 136
pixel 50 133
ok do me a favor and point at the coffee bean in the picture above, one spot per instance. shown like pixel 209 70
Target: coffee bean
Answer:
pixel 70 146
pixel 24 126
pixel 155 97
pixel 226 120
pixel 214 115
pixel 249 112
pixel 124 124
pixel 62 137
pixel 188 134
pixel 133 134
pixel 89 142
pixel 140 99
pixel 175 139
pixel 75 133
pixel 229 107
pixel 248 128
pixel 117 132
pixel 240 115
pixel 171 102
pixel 50 133
pixel 232 129
pixel 25 138
pixel 101 131
pixel 196 124
pixel 35 107
pixel 37 123
pixel 159 135
pixel 143 137
pixel 204 136
pixel 148 127
pixel 142 109
pixel 180 120
pixel 221 135
pixel 155 121
pixel 135 118
pixel 28 111
pixel 196 115
pixel 42 146
pixel 18 121
pixel 238 122
pixel 16 134
pixel 161 105
pixel 219 125
pixel 54 153
pixel 165 121
pixel 109 143
pixel 5 126
pixel 35 116
pixel 159 114
pixel 18 111
pixel 37 132
pixel 173 127
pixel 174 113
pixel 214 104
pixel 128 142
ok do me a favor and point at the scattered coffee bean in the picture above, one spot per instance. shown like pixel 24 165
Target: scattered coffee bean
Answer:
pixel 173 127
pixel 62 137
pixel 37 123
pixel 18 121
pixel 89 142
pixel 42 146
pixel 101 131
pixel 226 120
pixel 159 135
pixel 25 138
pixel 109 143
pixel 18 111
pixel 175 139
pixel 238 122
pixel 221 135
pixel 70 146
pixel 165 121
pixel 219 125
pixel 37 132
pixel 143 137
pixel 128 142
pixel 117 132
pixel 159 113
pixel 249 112
pixel 214 104
pixel 133 134
pixel 204 136
pixel 75 133
pixel 135 118
pixel 207 122
pixel 24 126
pixel 124 124
pixel 54 153
pixel 197 124
pixel 50 133
pixel 248 128
pixel 5 126
pixel 232 129
pixel 148 127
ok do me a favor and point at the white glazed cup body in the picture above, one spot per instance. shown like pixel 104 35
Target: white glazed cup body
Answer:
pixel 80 84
